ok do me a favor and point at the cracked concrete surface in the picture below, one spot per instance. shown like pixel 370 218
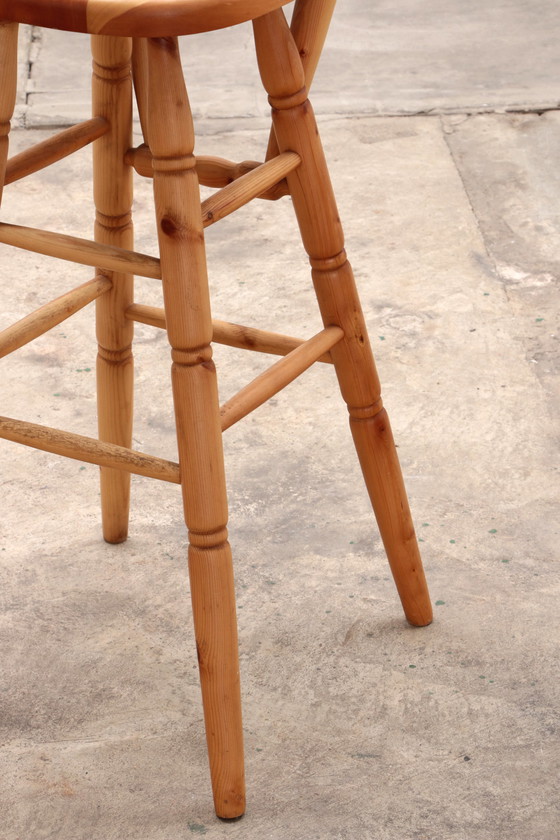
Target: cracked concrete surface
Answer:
pixel 357 726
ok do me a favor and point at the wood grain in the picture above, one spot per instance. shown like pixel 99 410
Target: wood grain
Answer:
pixel 8 85
pixel 51 314
pixel 112 191
pixel 55 148
pixel 212 171
pixel 233 335
pixel 195 393
pixel 137 18
pixel 273 380
pixel 90 450
pixel 76 249
pixel 314 203
pixel 247 187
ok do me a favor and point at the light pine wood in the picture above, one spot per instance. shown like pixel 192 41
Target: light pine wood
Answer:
pixel 140 157
pixel 140 84
pixel 90 450
pixel 309 27
pixel 51 314
pixel 273 380
pixel 154 316
pixel 55 148
pixel 141 18
pixel 107 258
pixel 218 172
pixel 212 171
pixel 314 203
pixel 295 164
pixel 8 83
pixel 247 187
pixel 112 189
pixel 232 335
pixel 189 328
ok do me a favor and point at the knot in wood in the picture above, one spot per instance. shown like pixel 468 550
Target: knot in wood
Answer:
pixel 172 227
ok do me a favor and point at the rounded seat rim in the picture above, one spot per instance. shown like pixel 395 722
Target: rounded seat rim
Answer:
pixel 136 18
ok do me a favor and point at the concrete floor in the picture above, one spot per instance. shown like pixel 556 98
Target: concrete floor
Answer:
pixel 441 125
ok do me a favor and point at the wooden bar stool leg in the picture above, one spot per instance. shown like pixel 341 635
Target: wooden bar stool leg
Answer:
pixel 8 89
pixel 322 235
pixel 140 80
pixel 195 392
pixel 112 179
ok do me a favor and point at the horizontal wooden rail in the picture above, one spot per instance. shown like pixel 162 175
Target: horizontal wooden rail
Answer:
pixel 212 171
pixel 233 335
pixel 218 172
pixel 278 376
pixel 154 316
pixel 51 314
pixel 77 250
pixel 248 187
pixel 55 148
pixel 88 449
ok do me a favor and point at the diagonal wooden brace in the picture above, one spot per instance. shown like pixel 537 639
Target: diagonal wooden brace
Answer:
pixel 87 449
pixel 51 314
pixel 276 378
pixel 65 143
pixel 233 335
pixel 74 249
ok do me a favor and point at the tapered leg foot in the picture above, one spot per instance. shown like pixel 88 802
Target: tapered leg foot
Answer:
pixel 373 438
pixel 382 473
pixel 199 434
pixel 213 600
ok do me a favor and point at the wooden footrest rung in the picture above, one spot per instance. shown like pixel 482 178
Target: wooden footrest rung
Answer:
pixel 212 171
pixel 233 335
pixel 83 251
pixel 247 187
pixel 278 376
pixel 55 148
pixel 88 449
pixel 51 314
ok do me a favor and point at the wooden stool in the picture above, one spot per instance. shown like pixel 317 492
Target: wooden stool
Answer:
pixel 294 165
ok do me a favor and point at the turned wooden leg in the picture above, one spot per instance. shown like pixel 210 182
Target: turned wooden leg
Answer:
pixel 140 80
pixel 8 89
pixel 112 178
pixel 195 393
pixel 321 231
